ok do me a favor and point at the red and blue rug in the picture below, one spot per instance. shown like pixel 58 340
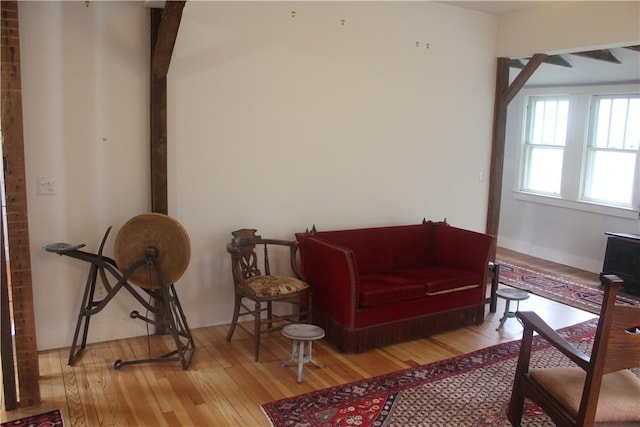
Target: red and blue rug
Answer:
pixel 47 419
pixel 586 297
pixel 470 390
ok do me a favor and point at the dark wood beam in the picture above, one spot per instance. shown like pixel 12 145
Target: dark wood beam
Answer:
pixel 522 78
pixel 516 63
pixel 504 93
pixel 17 215
pixel 600 55
pixel 497 153
pixel 165 39
pixel 164 31
pixel 158 123
pixel 558 60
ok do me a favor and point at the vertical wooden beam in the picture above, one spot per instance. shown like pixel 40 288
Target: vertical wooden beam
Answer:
pixel 164 31
pixel 504 94
pixel 497 152
pixel 158 123
pixel 17 215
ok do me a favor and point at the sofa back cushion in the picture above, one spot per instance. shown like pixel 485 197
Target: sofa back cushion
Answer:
pixel 384 249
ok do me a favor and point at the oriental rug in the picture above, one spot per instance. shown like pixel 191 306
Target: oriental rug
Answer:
pixel 47 419
pixel 560 289
pixel 469 390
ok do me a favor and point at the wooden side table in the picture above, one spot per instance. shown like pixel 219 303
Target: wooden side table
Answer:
pixel 302 333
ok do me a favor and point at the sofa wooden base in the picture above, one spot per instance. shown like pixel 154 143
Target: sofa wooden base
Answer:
pixel 359 340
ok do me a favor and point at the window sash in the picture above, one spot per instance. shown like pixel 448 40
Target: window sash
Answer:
pixel 611 168
pixel 546 124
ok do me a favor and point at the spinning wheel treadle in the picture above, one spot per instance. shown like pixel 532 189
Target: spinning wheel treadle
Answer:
pixel 165 236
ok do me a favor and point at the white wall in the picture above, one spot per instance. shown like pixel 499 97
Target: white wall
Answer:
pixel 569 236
pixel 84 78
pixel 279 123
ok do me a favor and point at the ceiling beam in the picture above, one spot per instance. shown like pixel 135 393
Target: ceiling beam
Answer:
pixel 522 78
pixel 166 37
pixel 601 55
pixel 558 60
pixel 516 63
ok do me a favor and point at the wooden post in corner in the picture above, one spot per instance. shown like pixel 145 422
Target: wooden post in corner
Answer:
pixel 20 279
pixel 497 153
pixel 158 123
pixel 164 31
pixel 503 96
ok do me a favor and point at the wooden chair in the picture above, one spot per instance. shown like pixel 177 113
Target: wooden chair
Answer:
pixel 601 388
pixel 250 283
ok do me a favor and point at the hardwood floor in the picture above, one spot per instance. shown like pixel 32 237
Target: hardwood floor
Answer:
pixel 224 386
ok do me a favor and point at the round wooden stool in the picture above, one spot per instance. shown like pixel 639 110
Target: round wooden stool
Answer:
pixel 301 333
pixel 510 294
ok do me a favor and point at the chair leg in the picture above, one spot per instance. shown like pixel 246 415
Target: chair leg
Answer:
pixel 257 330
pixel 514 414
pixel 234 320
pixel 269 315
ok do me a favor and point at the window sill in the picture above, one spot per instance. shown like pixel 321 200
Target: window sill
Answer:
pixel 577 205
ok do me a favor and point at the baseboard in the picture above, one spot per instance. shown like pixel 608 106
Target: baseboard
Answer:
pixel 591 265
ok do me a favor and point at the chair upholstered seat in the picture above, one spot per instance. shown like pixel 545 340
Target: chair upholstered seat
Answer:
pixel 274 286
pixel 619 399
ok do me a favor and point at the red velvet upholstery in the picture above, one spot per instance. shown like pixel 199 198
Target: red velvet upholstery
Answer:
pixel 377 286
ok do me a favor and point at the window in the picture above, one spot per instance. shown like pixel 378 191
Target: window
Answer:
pixel 544 144
pixel 580 148
pixel 613 151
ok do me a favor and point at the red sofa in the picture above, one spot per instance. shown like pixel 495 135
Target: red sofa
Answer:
pixel 377 286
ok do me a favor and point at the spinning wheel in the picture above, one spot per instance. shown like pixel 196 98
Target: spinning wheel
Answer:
pixel 157 233
pixel 152 251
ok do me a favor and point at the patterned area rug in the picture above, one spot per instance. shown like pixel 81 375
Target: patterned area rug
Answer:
pixel 470 390
pixel 559 289
pixel 48 419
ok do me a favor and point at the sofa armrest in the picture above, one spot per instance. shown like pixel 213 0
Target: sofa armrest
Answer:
pixel 464 249
pixel 332 272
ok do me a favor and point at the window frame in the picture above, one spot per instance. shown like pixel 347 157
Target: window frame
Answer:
pixel 579 130
pixel 528 145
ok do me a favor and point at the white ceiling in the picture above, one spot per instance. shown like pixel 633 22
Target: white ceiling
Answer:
pixel 496 7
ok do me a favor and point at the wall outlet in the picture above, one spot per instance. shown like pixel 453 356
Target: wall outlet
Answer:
pixel 46 186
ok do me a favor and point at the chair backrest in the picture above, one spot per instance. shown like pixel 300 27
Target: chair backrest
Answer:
pixel 243 254
pixel 245 260
pixel 617 340
pixel 616 344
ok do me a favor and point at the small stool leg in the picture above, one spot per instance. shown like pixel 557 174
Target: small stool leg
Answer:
pixel 505 316
pixel 300 359
pixel 293 358
pixel 318 364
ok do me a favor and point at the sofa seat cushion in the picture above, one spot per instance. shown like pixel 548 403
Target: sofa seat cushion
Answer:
pixel 381 289
pixel 438 279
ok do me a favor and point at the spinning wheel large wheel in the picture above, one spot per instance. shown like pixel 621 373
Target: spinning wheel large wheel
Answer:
pixel 165 238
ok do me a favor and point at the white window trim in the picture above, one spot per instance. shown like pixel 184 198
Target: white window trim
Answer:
pixel 572 186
